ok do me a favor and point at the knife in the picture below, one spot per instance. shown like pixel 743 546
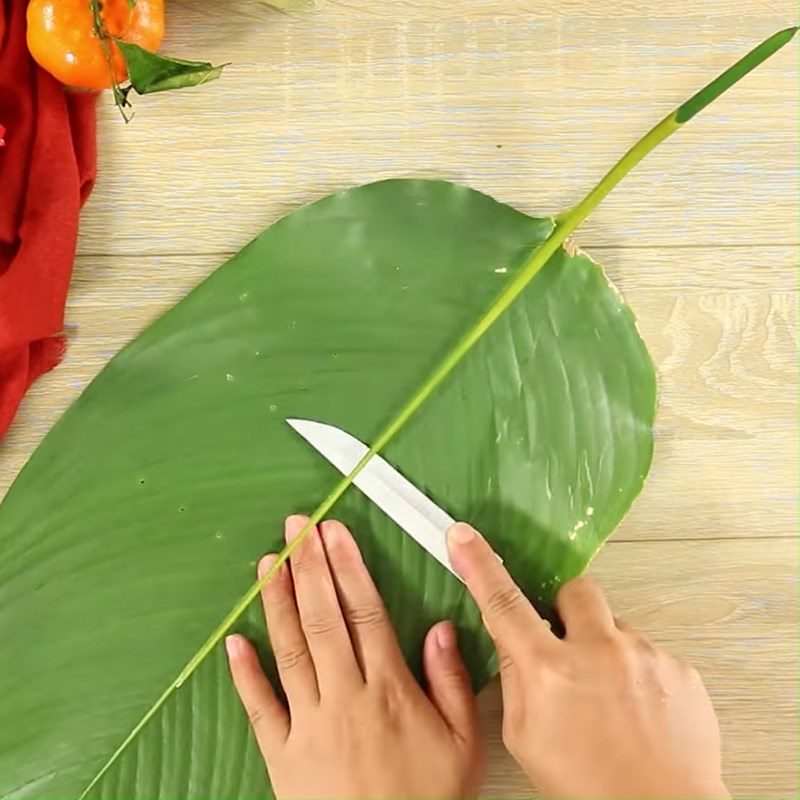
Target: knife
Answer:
pixel 395 495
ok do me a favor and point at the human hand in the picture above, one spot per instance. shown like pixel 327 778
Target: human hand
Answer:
pixel 357 725
pixel 602 713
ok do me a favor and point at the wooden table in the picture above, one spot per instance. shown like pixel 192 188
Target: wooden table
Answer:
pixel 530 101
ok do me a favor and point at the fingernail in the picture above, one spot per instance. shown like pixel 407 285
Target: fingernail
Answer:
pixel 233 645
pixel 331 533
pixel 266 562
pixel 446 636
pixel 293 525
pixel 461 533
pixel 339 541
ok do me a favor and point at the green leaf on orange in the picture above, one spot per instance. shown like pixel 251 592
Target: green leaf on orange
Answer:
pixel 151 72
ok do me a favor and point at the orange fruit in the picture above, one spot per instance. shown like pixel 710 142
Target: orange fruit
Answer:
pixel 62 39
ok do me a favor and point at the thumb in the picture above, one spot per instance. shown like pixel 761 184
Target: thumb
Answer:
pixel 449 686
pixel 510 619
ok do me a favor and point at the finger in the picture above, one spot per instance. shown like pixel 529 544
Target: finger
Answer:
pixel 370 629
pixel 289 646
pixel 635 636
pixel 515 700
pixel 509 618
pixel 584 609
pixel 624 626
pixel 267 715
pixel 320 613
pixel 449 686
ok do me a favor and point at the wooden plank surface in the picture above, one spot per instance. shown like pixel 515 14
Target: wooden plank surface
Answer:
pixel 530 101
pixel 366 90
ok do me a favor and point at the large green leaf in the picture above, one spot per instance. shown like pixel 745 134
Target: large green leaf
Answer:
pixel 137 523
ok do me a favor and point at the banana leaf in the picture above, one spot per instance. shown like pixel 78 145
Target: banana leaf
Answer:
pixel 136 524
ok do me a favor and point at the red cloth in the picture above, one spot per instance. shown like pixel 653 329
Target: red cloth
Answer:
pixel 47 169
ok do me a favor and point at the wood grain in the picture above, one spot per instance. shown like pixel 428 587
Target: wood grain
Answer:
pixel 530 101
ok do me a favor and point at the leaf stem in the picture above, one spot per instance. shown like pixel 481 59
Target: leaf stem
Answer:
pixel 565 224
pixel 99 30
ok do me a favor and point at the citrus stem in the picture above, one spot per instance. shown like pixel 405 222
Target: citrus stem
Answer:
pixel 100 31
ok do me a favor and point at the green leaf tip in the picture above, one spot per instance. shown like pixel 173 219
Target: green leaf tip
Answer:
pixel 151 72
pixel 710 92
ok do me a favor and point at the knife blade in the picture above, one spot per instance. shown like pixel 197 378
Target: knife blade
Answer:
pixel 396 496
